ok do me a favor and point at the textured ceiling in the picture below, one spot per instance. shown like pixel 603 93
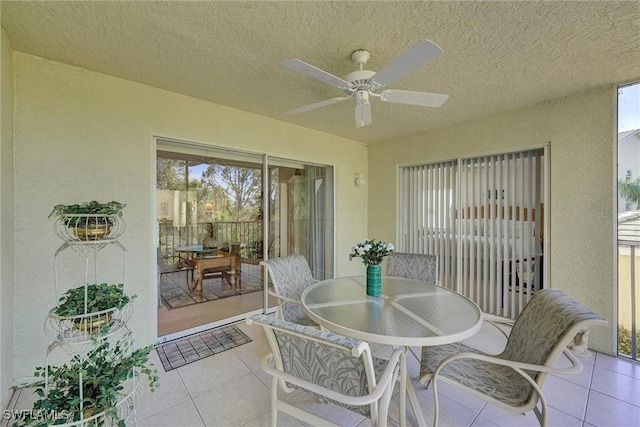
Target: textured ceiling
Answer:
pixel 497 55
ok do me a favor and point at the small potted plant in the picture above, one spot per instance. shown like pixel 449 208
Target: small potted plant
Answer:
pixel 106 378
pixel 372 252
pixel 89 220
pixel 103 299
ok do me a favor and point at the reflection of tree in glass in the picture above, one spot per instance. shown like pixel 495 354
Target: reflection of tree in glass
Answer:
pixel 170 174
pixel 242 187
pixel 274 179
pixel 218 199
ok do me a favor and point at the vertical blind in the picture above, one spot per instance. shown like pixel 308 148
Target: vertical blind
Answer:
pixel 483 217
pixel 427 198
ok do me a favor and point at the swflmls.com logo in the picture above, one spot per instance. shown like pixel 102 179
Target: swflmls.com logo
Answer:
pixel 40 415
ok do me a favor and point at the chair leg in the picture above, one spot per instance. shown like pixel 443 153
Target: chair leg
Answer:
pixel 413 400
pixel 381 416
pixel 541 414
pixel 403 391
pixel 436 404
pixel 274 399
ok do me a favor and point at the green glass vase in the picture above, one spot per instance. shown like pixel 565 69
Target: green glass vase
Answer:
pixel 374 280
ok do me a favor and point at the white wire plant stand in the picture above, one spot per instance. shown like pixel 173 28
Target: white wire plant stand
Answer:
pixel 127 398
pixel 125 408
pixel 87 325
pixel 89 228
pixel 100 324
pixel 80 335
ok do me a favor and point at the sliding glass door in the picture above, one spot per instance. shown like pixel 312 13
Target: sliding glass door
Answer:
pixel 215 202
pixel 302 213
pixel 484 218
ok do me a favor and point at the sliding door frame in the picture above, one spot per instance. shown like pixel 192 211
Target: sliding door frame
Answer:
pixel 403 191
pixel 265 309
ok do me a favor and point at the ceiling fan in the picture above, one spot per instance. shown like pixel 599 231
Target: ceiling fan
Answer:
pixel 363 84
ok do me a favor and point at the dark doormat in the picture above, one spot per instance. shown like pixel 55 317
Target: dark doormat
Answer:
pixel 183 351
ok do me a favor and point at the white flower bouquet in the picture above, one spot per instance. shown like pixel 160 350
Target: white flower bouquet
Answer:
pixel 371 251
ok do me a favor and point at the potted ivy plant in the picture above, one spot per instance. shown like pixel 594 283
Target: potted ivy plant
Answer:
pixel 89 220
pixel 99 298
pixel 105 378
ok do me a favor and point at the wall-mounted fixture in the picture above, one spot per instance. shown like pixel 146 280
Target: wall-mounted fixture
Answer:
pixel 360 180
pixel 208 207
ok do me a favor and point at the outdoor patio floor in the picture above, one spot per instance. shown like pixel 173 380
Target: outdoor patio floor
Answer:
pixel 230 389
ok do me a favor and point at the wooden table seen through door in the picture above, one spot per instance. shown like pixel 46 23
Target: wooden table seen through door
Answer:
pixel 203 259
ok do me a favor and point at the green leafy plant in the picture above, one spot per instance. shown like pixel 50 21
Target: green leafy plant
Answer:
pixel 630 190
pixel 100 377
pixel 100 297
pixel 624 341
pixel 371 251
pixel 70 212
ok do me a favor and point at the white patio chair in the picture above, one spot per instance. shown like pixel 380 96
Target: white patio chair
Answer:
pixel 290 276
pixel 333 368
pixel 413 266
pixel 513 379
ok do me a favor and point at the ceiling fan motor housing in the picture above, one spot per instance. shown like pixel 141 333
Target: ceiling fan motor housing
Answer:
pixel 359 79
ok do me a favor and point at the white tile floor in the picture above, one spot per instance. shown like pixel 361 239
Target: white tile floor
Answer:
pixel 230 389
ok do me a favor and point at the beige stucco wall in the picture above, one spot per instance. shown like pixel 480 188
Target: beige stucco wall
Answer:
pixel 581 133
pixel 6 219
pixel 81 136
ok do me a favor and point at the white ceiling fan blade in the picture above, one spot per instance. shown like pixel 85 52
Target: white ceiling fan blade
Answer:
pixel 317 105
pixel 316 73
pixel 422 99
pixel 363 114
pixel 421 53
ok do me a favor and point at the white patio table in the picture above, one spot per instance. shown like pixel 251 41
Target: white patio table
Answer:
pixel 408 313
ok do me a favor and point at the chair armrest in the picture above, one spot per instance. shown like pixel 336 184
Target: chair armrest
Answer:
pixel 498 322
pixel 390 372
pixel 575 368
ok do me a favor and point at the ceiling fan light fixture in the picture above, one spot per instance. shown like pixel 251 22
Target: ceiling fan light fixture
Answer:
pixel 361 96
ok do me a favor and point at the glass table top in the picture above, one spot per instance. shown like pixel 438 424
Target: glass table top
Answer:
pixel 408 313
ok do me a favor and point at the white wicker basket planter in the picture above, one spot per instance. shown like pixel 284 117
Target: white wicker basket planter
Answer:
pixel 89 227
pixel 100 324
pixel 126 407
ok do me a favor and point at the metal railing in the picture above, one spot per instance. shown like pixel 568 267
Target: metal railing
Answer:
pixel 247 233
pixel 628 267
